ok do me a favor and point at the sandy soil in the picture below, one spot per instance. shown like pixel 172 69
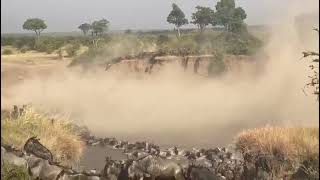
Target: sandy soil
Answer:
pixel 17 68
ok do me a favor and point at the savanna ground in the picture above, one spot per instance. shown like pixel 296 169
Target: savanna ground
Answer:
pixel 21 69
pixel 170 107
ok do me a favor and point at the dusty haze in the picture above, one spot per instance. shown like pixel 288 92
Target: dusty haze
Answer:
pixel 171 107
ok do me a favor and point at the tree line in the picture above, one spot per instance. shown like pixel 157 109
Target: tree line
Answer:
pixel 226 14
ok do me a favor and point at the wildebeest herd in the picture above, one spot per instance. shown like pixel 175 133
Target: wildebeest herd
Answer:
pixel 148 161
pixel 153 59
pixel 145 161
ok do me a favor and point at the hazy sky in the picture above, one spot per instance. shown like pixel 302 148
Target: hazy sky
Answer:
pixel 66 15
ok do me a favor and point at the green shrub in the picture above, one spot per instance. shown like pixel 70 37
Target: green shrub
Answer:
pixel 24 41
pixel 13 172
pixel 7 41
pixel 216 65
pixel 7 52
pixel 24 49
pixel 72 49
pixel 162 39
pixel 48 44
pixel 237 43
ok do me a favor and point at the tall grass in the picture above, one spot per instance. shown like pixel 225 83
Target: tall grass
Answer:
pixel 291 142
pixel 13 172
pixel 57 135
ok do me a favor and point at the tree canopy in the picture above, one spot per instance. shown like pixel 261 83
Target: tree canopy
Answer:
pixel 35 24
pixel 99 27
pixel 85 28
pixel 229 16
pixel 177 17
pixel 202 17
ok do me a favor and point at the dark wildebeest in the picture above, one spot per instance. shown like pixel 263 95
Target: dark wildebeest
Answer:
pixel 33 146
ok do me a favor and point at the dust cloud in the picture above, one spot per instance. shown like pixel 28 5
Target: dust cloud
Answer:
pixel 172 107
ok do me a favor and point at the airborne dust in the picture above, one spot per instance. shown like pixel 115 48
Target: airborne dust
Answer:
pixel 172 107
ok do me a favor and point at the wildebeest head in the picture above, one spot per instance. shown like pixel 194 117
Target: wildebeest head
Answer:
pixel 33 146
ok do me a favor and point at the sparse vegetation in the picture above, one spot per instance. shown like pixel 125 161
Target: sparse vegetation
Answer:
pixel 13 172
pixel 290 142
pixel 314 66
pixel 85 28
pixel 288 149
pixel 177 18
pixel 216 66
pixel 7 52
pixel 229 16
pixel 202 17
pixel 72 49
pixel 208 42
pixel 219 41
pixel 35 24
pixel 57 134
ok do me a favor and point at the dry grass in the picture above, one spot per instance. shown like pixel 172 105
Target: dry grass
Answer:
pixel 59 136
pixel 291 142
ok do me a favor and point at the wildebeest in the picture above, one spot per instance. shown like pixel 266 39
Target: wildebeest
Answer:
pixel 33 146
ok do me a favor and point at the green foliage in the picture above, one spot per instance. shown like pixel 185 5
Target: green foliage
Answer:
pixel 35 24
pixel 48 44
pixel 85 27
pixel 162 39
pixel 202 17
pixel 72 49
pixel 238 44
pixel 216 65
pixel 99 27
pixel 237 26
pixel 24 49
pixel 18 42
pixel 24 41
pixel 229 16
pixel 7 52
pixel 177 17
pixel 7 41
pixel 13 172
pixel 116 46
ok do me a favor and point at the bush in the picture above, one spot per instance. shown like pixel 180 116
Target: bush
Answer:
pixel 237 43
pixel 48 44
pixel 285 150
pixel 13 172
pixel 162 39
pixel 7 52
pixel 57 135
pixel 24 41
pixel 24 49
pixel 216 65
pixel 72 49
pixel 7 41
pixel 283 141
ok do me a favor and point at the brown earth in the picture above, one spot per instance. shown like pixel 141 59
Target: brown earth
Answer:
pixel 17 68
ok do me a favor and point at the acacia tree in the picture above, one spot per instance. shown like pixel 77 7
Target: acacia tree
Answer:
pixel 177 17
pixel 229 16
pixel 202 17
pixel 85 28
pixel 99 27
pixel 34 24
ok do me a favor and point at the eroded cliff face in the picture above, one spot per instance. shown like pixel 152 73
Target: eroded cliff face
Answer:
pixel 241 64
